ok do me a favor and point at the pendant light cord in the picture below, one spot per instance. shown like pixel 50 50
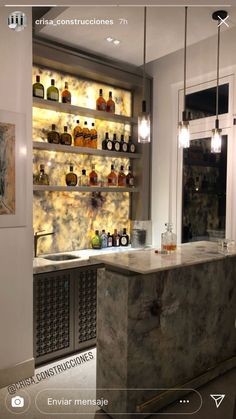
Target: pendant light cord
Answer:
pixel 144 51
pixel 218 74
pixel 185 58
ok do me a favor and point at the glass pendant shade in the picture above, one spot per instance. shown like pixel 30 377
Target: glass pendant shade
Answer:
pixel 144 126
pixel 216 140
pixel 184 134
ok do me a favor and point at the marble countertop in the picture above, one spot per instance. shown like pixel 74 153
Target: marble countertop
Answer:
pixel 147 261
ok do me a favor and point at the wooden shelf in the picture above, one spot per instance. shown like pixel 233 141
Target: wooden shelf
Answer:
pixel 49 188
pixel 81 111
pixel 39 145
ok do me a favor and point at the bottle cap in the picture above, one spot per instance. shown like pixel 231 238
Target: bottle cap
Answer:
pixel 103 231
pixel 115 230
pixel 122 137
pixel 52 82
pixel 77 121
pixel 130 138
pixel 93 166
pixel 129 168
pixel 96 231
pixel 71 167
pixel 85 123
pixel 93 124
pixel 110 94
pixel 112 166
pixel 114 137
pixel 65 129
pixel 83 172
pixel 124 230
pixel 38 79
pixel 121 167
pixel 100 92
pixel 41 166
pixel 53 127
pixel 107 134
pixel 66 84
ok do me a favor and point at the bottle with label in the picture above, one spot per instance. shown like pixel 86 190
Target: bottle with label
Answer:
pixel 83 180
pixel 96 241
pixel 168 239
pixel 130 178
pixel 94 136
pixel 124 145
pixel 112 177
pixel 43 178
pixel 107 143
pixel 115 239
pixel 53 136
pixel 121 177
pixel 124 238
pixel 86 134
pixel 66 95
pixel 78 135
pixel 104 239
pixel 100 102
pixel 110 104
pixel 109 240
pixel 116 143
pixel 66 138
pixel 38 88
pixel 71 177
pixel 93 177
pixel 53 92
pixel 131 146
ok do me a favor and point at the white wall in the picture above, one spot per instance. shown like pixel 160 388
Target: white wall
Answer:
pixel 16 296
pixel 167 73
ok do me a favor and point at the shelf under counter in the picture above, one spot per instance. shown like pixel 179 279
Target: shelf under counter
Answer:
pixel 49 188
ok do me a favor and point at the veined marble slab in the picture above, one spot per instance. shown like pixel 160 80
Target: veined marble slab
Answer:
pixel 147 261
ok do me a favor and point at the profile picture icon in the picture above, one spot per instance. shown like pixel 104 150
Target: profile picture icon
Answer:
pixel 17 21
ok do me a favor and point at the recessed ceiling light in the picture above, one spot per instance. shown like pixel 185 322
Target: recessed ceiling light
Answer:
pixel 116 42
pixel 109 39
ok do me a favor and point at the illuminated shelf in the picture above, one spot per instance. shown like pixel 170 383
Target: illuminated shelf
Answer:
pixel 39 145
pixel 49 188
pixel 81 111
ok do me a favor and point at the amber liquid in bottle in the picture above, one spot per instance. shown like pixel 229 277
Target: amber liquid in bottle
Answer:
pixel 66 138
pixel 78 135
pixel 93 177
pixel 66 95
pixel 53 136
pixel 86 134
pixel 121 177
pixel 115 238
pixel 112 177
pixel 130 178
pixel 94 136
pixel 100 102
pixel 71 177
pixel 38 89
pixel 110 104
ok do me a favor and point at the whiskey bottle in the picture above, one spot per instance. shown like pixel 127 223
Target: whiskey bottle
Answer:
pixel 115 238
pixel 66 138
pixel 116 143
pixel 124 238
pixel 94 136
pixel 110 104
pixel 38 88
pixel 83 180
pixel 96 241
pixel 101 103
pixel 130 178
pixel 124 145
pixel 107 143
pixel 53 136
pixel 66 95
pixel 71 177
pixel 86 134
pixel 93 177
pixel 112 177
pixel 103 239
pixel 43 178
pixel 109 240
pixel 131 146
pixel 53 92
pixel 78 135
pixel 121 177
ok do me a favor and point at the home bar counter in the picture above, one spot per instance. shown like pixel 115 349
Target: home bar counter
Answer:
pixel 163 322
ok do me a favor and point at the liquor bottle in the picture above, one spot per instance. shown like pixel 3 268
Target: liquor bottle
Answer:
pixel 66 138
pixel 103 237
pixel 109 240
pixel 93 177
pixel 130 178
pixel 86 134
pixel 43 178
pixel 121 177
pixel 53 92
pixel 107 143
pixel 112 177
pixel 110 104
pixel 124 238
pixel 100 102
pixel 168 239
pixel 131 146
pixel 71 177
pixel 115 239
pixel 83 180
pixel 124 145
pixel 78 135
pixel 96 241
pixel 38 88
pixel 53 136
pixel 116 143
pixel 66 95
pixel 94 136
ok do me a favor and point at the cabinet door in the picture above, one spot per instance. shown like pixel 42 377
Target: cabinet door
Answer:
pixel 53 315
pixel 85 308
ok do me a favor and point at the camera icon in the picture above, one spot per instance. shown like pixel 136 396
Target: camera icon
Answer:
pixel 17 401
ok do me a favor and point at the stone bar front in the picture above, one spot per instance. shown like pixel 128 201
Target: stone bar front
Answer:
pixel 163 322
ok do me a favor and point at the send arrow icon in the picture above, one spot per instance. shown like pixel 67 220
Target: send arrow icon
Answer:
pixel 218 399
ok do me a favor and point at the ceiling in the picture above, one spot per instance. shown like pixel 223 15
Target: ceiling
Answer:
pixel 165 30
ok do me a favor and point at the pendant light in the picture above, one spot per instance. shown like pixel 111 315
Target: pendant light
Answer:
pixel 216 138
pixel 184 134
pixel 144 120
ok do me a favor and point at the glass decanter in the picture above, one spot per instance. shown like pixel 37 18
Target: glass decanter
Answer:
pixel 168 239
